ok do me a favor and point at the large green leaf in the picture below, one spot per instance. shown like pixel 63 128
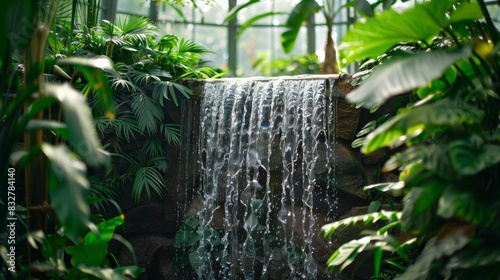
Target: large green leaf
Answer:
pixel 92 250
pixel 443 113
pixel 466 12
pixel 77 116
pixel 377 35
pixel 432 252
pixel 470 204
pixel 401 75
pixel 420 205
pixel 68 188
pixel 300 13
pixel 469 159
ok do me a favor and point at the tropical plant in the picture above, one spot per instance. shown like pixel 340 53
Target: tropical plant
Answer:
pixel 295 65
pixel 147 79
pixel 54 123
pixel 443 56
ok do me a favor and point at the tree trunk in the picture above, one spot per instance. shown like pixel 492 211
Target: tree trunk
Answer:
pixel 330 64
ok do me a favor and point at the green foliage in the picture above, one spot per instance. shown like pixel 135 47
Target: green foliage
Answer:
pixel 194 241
pixel 92 250
pixel 298 16
pixel 295 65
pixel 444 63
pixel 146 79
pixel 60 141
pixel 45 97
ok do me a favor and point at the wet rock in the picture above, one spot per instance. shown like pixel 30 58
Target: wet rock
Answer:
pixel 347 116
pixel 145 248
pixel 151 218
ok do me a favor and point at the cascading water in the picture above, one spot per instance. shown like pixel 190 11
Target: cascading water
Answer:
pixel 264 151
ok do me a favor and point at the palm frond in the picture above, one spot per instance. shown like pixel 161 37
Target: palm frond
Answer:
pixel 136 28
pixel 102 124
pixel 172 133
pixel 142 78
pixel 148 179
pixel 102 192
pixel 186 46
pixel 153 148
pixel 148 113
pixel 64 10
pixel 118 82
pixel 109 29
pixel 159 162
pixel 167 42
pixel 168 90
pixel 126 127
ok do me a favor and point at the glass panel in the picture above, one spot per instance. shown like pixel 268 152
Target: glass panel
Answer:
pixel 214 38
pixel 263 43
pixel 181 30
pixel 495 14
pixel 135 7
pixel 167 13
pixel 212 13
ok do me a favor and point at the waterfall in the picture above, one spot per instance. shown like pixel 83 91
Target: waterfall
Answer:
pixel 260 153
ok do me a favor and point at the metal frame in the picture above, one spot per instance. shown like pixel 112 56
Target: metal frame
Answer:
pixel 109 11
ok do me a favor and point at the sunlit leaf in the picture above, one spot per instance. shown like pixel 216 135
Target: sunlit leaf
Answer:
pixel 102 62
pixel 377 35
pixel 396 131
pixel 92 250
pixel 404 74
pixel 329 229
pixel 120 273
pixel 393 188
pixel 466 11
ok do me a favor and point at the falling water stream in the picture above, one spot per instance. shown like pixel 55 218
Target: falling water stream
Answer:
pixel 263 149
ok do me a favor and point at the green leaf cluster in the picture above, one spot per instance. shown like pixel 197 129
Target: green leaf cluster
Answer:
pixel 146 81
pixel 442 57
